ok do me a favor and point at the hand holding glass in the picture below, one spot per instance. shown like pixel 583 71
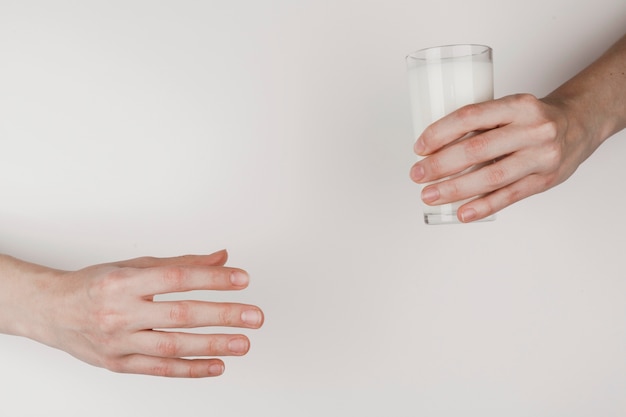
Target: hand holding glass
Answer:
pixel 441 80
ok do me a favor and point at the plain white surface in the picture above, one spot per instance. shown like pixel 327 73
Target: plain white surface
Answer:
pixel 281 131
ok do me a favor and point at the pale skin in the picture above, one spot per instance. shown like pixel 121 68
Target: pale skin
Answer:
pixel 106 315
pixel 536 143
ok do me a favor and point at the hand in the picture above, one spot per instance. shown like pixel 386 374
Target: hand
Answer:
pixel 535 145
pixel 106 315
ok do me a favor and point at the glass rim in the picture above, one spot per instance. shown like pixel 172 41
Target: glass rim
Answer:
pixel 449 51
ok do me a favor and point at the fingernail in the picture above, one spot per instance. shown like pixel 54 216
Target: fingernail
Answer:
pixel 252 317
pixel 216 369
pixel 238 346
pixel 417 173
pixel 468 215
pixel 430 194
pixel 239 278
pixel 419 147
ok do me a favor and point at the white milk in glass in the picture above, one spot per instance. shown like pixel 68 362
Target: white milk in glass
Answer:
pixel 438 87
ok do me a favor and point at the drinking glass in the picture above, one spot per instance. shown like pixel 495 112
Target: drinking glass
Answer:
pixel 442 79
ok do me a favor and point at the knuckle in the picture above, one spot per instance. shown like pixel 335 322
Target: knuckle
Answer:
pixel 528 104
pixel 475 148
pixel 488 205
pixel 469 111
pixel 104 316
pixel 111 284
pixel 527 98
pixel 192 372
pixel 452 190
pixel 526 101
pixel 548 129
pixel 213 346
pixel 509 196
pixel 226 315
pixel 434 166
pixel 485 207
pixel 146 260
pixel 168 347
pixel 180 313
pixel 496 176
pixel 545 125
pixel 174 277
pixel 161 368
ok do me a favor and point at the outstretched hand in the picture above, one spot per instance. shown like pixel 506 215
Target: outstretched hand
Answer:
pixel 106 315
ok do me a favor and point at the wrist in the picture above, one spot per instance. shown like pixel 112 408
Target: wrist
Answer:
pixel 594 98
pixel 25 298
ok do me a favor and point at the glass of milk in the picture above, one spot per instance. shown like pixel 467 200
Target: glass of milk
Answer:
pixel 442 79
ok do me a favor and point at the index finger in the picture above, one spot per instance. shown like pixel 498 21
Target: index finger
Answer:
pixel 218 258
pixel 467 119
pixel 182 278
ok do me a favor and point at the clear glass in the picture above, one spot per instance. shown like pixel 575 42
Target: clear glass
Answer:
pixel 442 79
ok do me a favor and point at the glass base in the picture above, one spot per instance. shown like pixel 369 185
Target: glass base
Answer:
pixel 450 218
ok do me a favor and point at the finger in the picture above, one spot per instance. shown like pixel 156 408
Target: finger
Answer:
pixel 218 258
pixel 169 367
pixel 191 314
pixel 483 180
pixel 181 278
pixel 492 203
pixel 471 118
pixel 180 345
pixel 477 149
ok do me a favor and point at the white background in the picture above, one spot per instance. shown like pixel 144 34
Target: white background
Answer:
pixel 281 131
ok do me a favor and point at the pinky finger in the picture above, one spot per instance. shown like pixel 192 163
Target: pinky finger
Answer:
pixel 169 367
pixel 499 199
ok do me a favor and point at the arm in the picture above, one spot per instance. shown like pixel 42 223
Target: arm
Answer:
pixel 106 315
pixel 536 143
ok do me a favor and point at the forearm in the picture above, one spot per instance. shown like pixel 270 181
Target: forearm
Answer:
pixel 596 97
pixel 21 285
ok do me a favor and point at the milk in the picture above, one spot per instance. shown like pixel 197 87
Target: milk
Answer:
pixel 439 86
pixel 438 89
